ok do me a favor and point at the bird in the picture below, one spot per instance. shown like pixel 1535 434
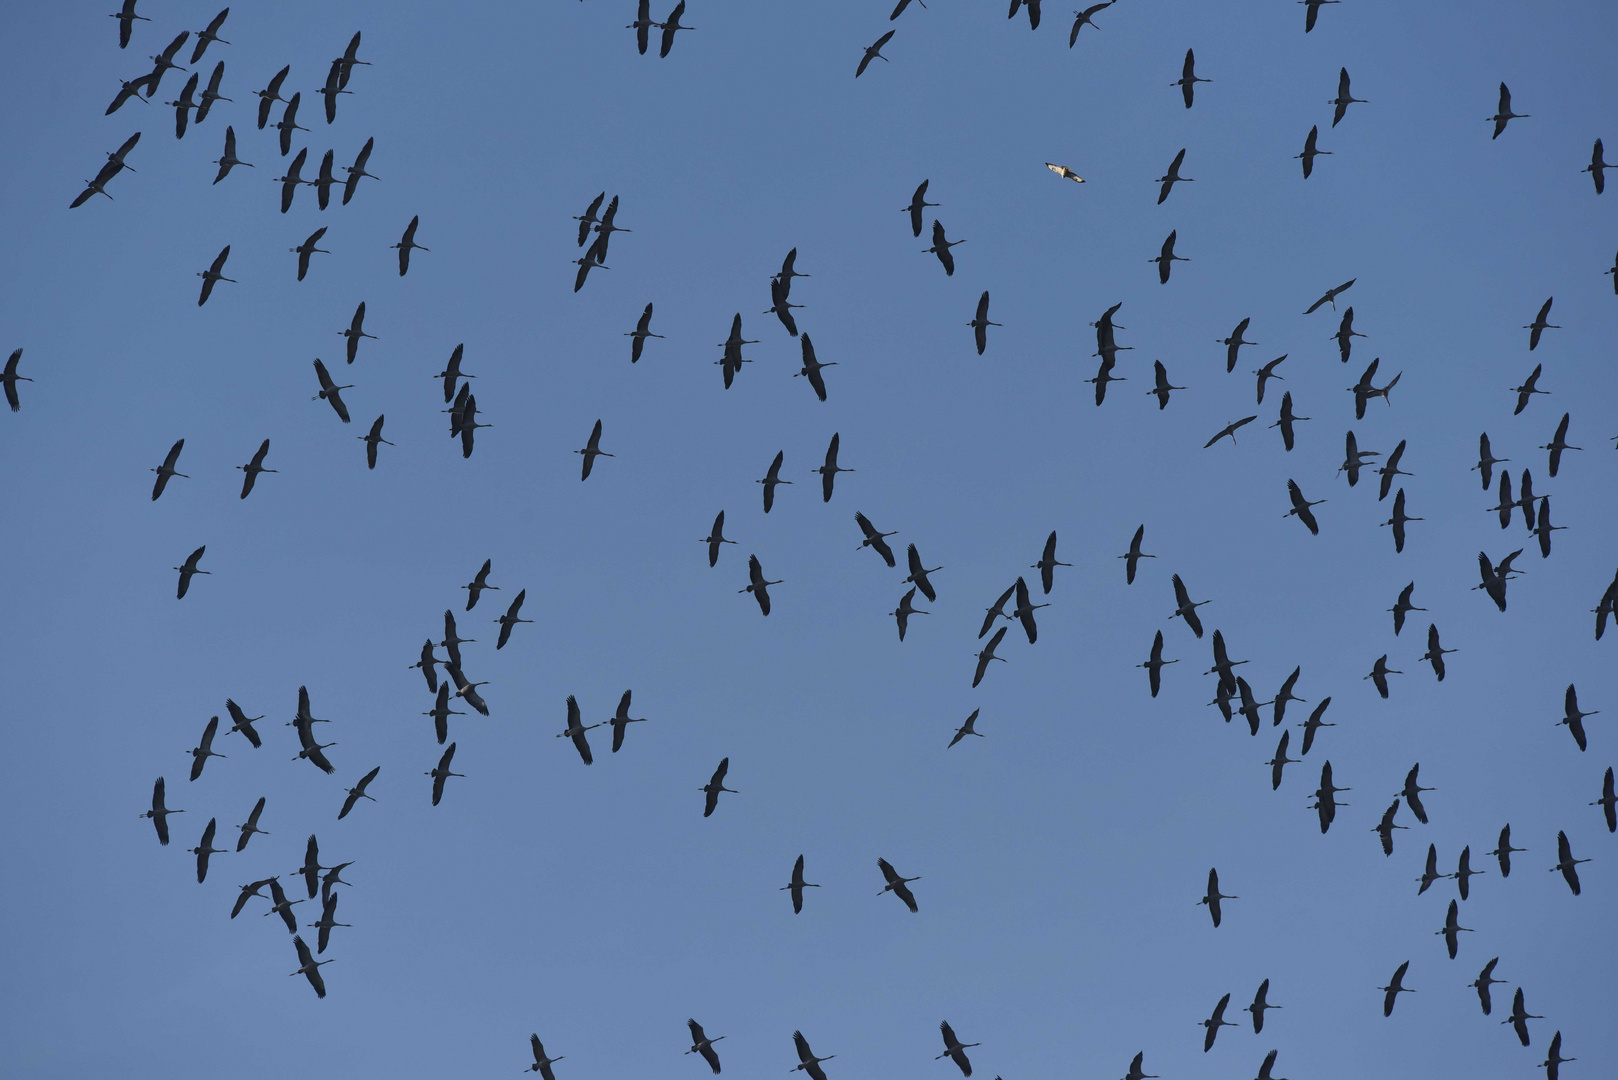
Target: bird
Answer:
pixel 1186 609
pixel 1346 334
pixel 332 88
pixel 1223 664
pixel 1062 170
pixel 997 610
pixel 479 583
pixel 1135 1067
pixel 987 655
pixel 1464 874
pixel 757 585
pixel 407 242
pixel 1394 988
pixel 288 124
pixel 249 891
pixel 1280 761
pixel 1566 863
pixel 1539 325
pixel 127 90
pixel 308 248
pixel 205 849
pixel 293 178
pixel 1233 344
pixel 163 62
pixel 714 786
pixel 796 887
pixel 1166 258
pixel 229 160
pixel 897 885
pixel 941 248
pixel 1452 929
pixel 270 95
pixel 1412 793
pixel 469 424
pixel 1482 983
pixel 441 772
pixel 828 472
pixel 357 170
pixel 452 374
pixel 355 794
pixel 716 537
pixel 1300 507
pixel 980 325
pixel 781 307
pixel 1557 444
pixel 1390 469
pixel 1188 80
pixel 621 720
pixel 1265 1069
pixel 1354 459
pixel 1310 151
pixel 159 813
pixel 1266 373
pixel 510 619
pixel 1325 799
pixel 280 905
pixel 126 22
pixel 771 478
pixel 1288 418
pixel 1230 429
pixel 591 451
pixel 250 826
pixel 1554 1059
pixel 188 570
pixel 1024 612
pixel 873 52
pixel 670 26
pixel 899 9
pixel 1543 527
pixel 1502 851
pixel 641 332
pixel 1104 376
pixel 1083 18
pixel 1154 663
pixel 1519 1017
pixel 542 1064
pixel 1503 116
pixel 1596 169
pixel 1330 297
pixel 331 392
pixel 1285 695
pixel 1161 385
pixel 356 328
pixel 1487 461
pixel 183 106
pixel 208 276
pixel 918 574
pixel 1214 896
pixel 967 729
pixel 204 37
pixel 1525 502
pixel 441 712
pixel 1385 827
pixel 349 60
pixel 1494 581
pixel 807 1062
pixel 1608 801
pixel 1171 177
pixel 811 368
pixel 324 180
pixel 575 730
pixel 1310 14
pixel 1260 1004
pixel 700 1042
pixel 166 470
pixel 1398 521
pixel 1573 718
pixel 874 539
pixel 311 867
pixel 1131 557
pixel 309 967
pixel 428 664
pixel 955 1049
pixel 1344 97
pixel 1364 390
pixel 1214 1023
pixel 918 203
pixel 1435 652
pixel 328 920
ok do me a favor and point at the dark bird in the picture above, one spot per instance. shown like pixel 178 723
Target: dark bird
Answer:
pixel 757 585
pixel 204 37
pixel 591 451
pixel 469 424
pixel 324 180
pixel 1402 606
pixel 249 891
pixel 1310 151
pixel 1608 801
pixel 988 654
pixel 480 582
pixel 1230 429
pixel 355 794
pixel 1135 1067
pixel 1503 850
pixel 1154 663
pixel 1187 82
pixel 1503 116
pixel 781 307
pixel 873 52
pixel 918 574
pixel 918 203
pixel 229 160
pixel 1024 612
pixel 1525 501
pixel 1557 444
pixel 899 9
pixel 967 729
pixel 1412 793
pixel 1172 177
pixel 1212 899
pixel 1385 827
pixel 308 248
pixel 510 619
pixel 732 360
pixel 288 124
pixel 807 1062
pixel 356 326
pixel 1345 335
pixel 542 1064
pixel 1573 718
pixel 1300 507
pixel 1394 988
pixel 1104 376
pixel 700 1042
pixel 1452 929
pixel 1430 874
pixel 588 218
pixel 1390 469
pixel 873 539
pixel 357 170
pixel 250 826
pixel 210 93
pixel 898 886
pixel 1214 1023
pixel 268 96
pixel 1310 14
pixel 309 967
pixel 1233 344
pixel 1435 652
pixel 621 720
pixel 955 1049
pixel 980 325
pixel 1185 609
pixel 1161 385
pixel 1285 695
pixel 1464 874
pixel 1596 169
pixel 828 472
pixel 407 242
pixel 1494 582
pixel 1482 983
pixel 1398 521
pixel 1288 418
pixel 1130 557
pixel 1354 459
pixel 716 537
pixel 796 887
pixel 159 813
pixel 1280 760
pixel 1553 1058
pixel 1325 798
pixel 328 920
pixel 331 392
pixel 441 772
pixel 1331 296
pixel 208 276
pixel 997 611
pixel 333 87
pixel 1543 527
pixel 575 730
pixel 714 786
pixel 183 106
pixel 1250 706
pixel 1166 258
pixel 641 332
pixel 205 849
pixel 126 22
pixel 1539 325
pixel 349 59
pixel 289 183
pixel 670 26
pixel 280 905
pixel 811 368
pixel 1344 97
pixel 166 470
pixel 771 478
pixel 189 570
pixel 1266 373
pixel 1519 1017
pixel 163 62
pixel 311 867
pixel 941 247
pixel 452 374
pixel 441 712
pixel 1083 18
pixel 1487 461
pixel 1260 1004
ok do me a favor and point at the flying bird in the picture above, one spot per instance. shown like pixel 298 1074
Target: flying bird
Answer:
pixel 1161 385
pixel 1230 429
pixel 716 537
pixel 941 248
pixel 159 813
pixel 1412 793
pixel 229 160
pixel 1083 18
pixel 1572 717
pixel 796 887
pixel 349 59
pixel 873 52
pixel 1344 97
pixel 1287 419
pixel 166 470
pixel 1214 1023
pixel 1063 171
pixel 807 1062
pixel 967 729
pixel 591 451
pixel 757 585
pixel 126 22
pixel 189 570
pixel 1187 82
pixel 1608 801
pixel 1519 1017
pixel 357 170
pixel 291 181
pixel 250 826
pixel 1503 116
pixel 1311 13
pixel 1539 325
pixel 308 248
pixel 1172 177
pixel 621 720
pixel 309 967
pixel 268 96
pixel 510 619
pixel 980 325
pixel 987 655
pixel 1557 444
pixel 204 37
pixel 1398 520
pixel 1452 929
pixel 441 772
pixel 670 26
pixel 874 539
pixel 772 477
pixel 205 849
pixel 1394 988
pixel 1330 297
pixel 1464 874
pixel 700 1042
pixel 1300 507
pixel 1346 334
pixel 955 1049
pixel 407 242
pixel 1233 344
pixel 331 392
pixel 828 471
pixel 1310 151
pixel 1554 1059
pixel 208 276
pixel 1260 1004
pixel 812 367
pixel 1385 827
pixel 1213 896
pixel 641 332
pixel 898 886
pixel 1185 608
pixel 1435 652
pixel 1325 799
pixel 1482 983
pixel 357 792
pixel 542 1064
pixel 1131 557
pixel 918 573
pixel 1166 258
pixel 575 730
pixel 918 203
pixel 714 786
pixel 288 124
pixel 1154 663
pixel 183 106
pixel 1597 170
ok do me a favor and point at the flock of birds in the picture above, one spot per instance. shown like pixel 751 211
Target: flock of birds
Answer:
pixel 1233 695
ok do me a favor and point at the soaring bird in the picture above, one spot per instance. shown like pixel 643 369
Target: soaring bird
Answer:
pixel 807 1062
pixel 206 37
pixel 1412 793
pixel 757 585
pixel 1063 171
pixel 1331 296
pixel 1166 258
pixel 1161 385
pixel 163 63
pixel 829 470
pixel 1344 97
pixel 371 439
pixel 967 729
pixel 1503 116
pixel 1398 521
pixel 1083 18
pixel 1214 1023
pixel 1464 873
pixel 955 1049
pixel 250 826
pixel 1230 429
pixel 621 720
pixel 1287 419
pixel 1394 988
pixel 1354 458
pixel 1596 169
pixel 1135 1069
pixel 1300 507
pixel 452 374
pixel 510 619
pixel 349 59
pixel 1185 608
pixel 1214 896
pixel 898 886
pixel 781 307
pixel 1519 1017
pixel 542 1064
pixel 208 276
pixel 1233 344
pixel 324 180
pixel 308 248
pixel 1566 863
pixel 1311 13
pixel 331 392
pixel 441 772
pixel 1482 983
pixel 293 178
pixel 229 160
pixel 205 849
pixel 988 654
pixel 1172 177
pixel 441 712
pixel 357 170
pixel 1284 695
pixel 166 470
pixel 874 539
pixel 327 921
pixel 1608 801
pixel 591 451
pixel 1390 469
pixel 797 885
pixel 716 537
pixel 1266 373
pixel 1311 151
pixel 126 22
pixel 1557 444
pixel 249 891
pixel 189 570
pixel 918 573
pixel 159 813
pixel 575 730
pixel 1452 929
pixel 1280 761
pixel 715 784
pixel 268 96
pixel 873 52
pixel 355 331
pixel 1572 717
pixel 980 325
pixel 309 967
pixel 918 203
pixel 941 248
pixel 357 792
pixel 899 9
pixel 997 610
pixel 1554 1059
pixel 1024 612
pixel 1539 325
pixel 641 332
pixel 1494 581
pixel 1188 80
pixel 1130 557
pixel 407 243
pixel 1486 461
pixel 1154 663
pixel 183 105
pixel 1260 1005
pixel 812 366
pixel 288 124
pixel 772 477
pixel 670 26
pixel 1435 652
pixel 1223 664
pixel 1325 799
pixel 700 1042
pixel 1385 827
pixel 642 26
pixel 1345 335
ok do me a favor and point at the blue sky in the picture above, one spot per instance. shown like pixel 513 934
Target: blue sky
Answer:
pixel 1062 855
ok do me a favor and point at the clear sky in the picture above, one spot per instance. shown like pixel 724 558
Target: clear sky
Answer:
pixel 1062 855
